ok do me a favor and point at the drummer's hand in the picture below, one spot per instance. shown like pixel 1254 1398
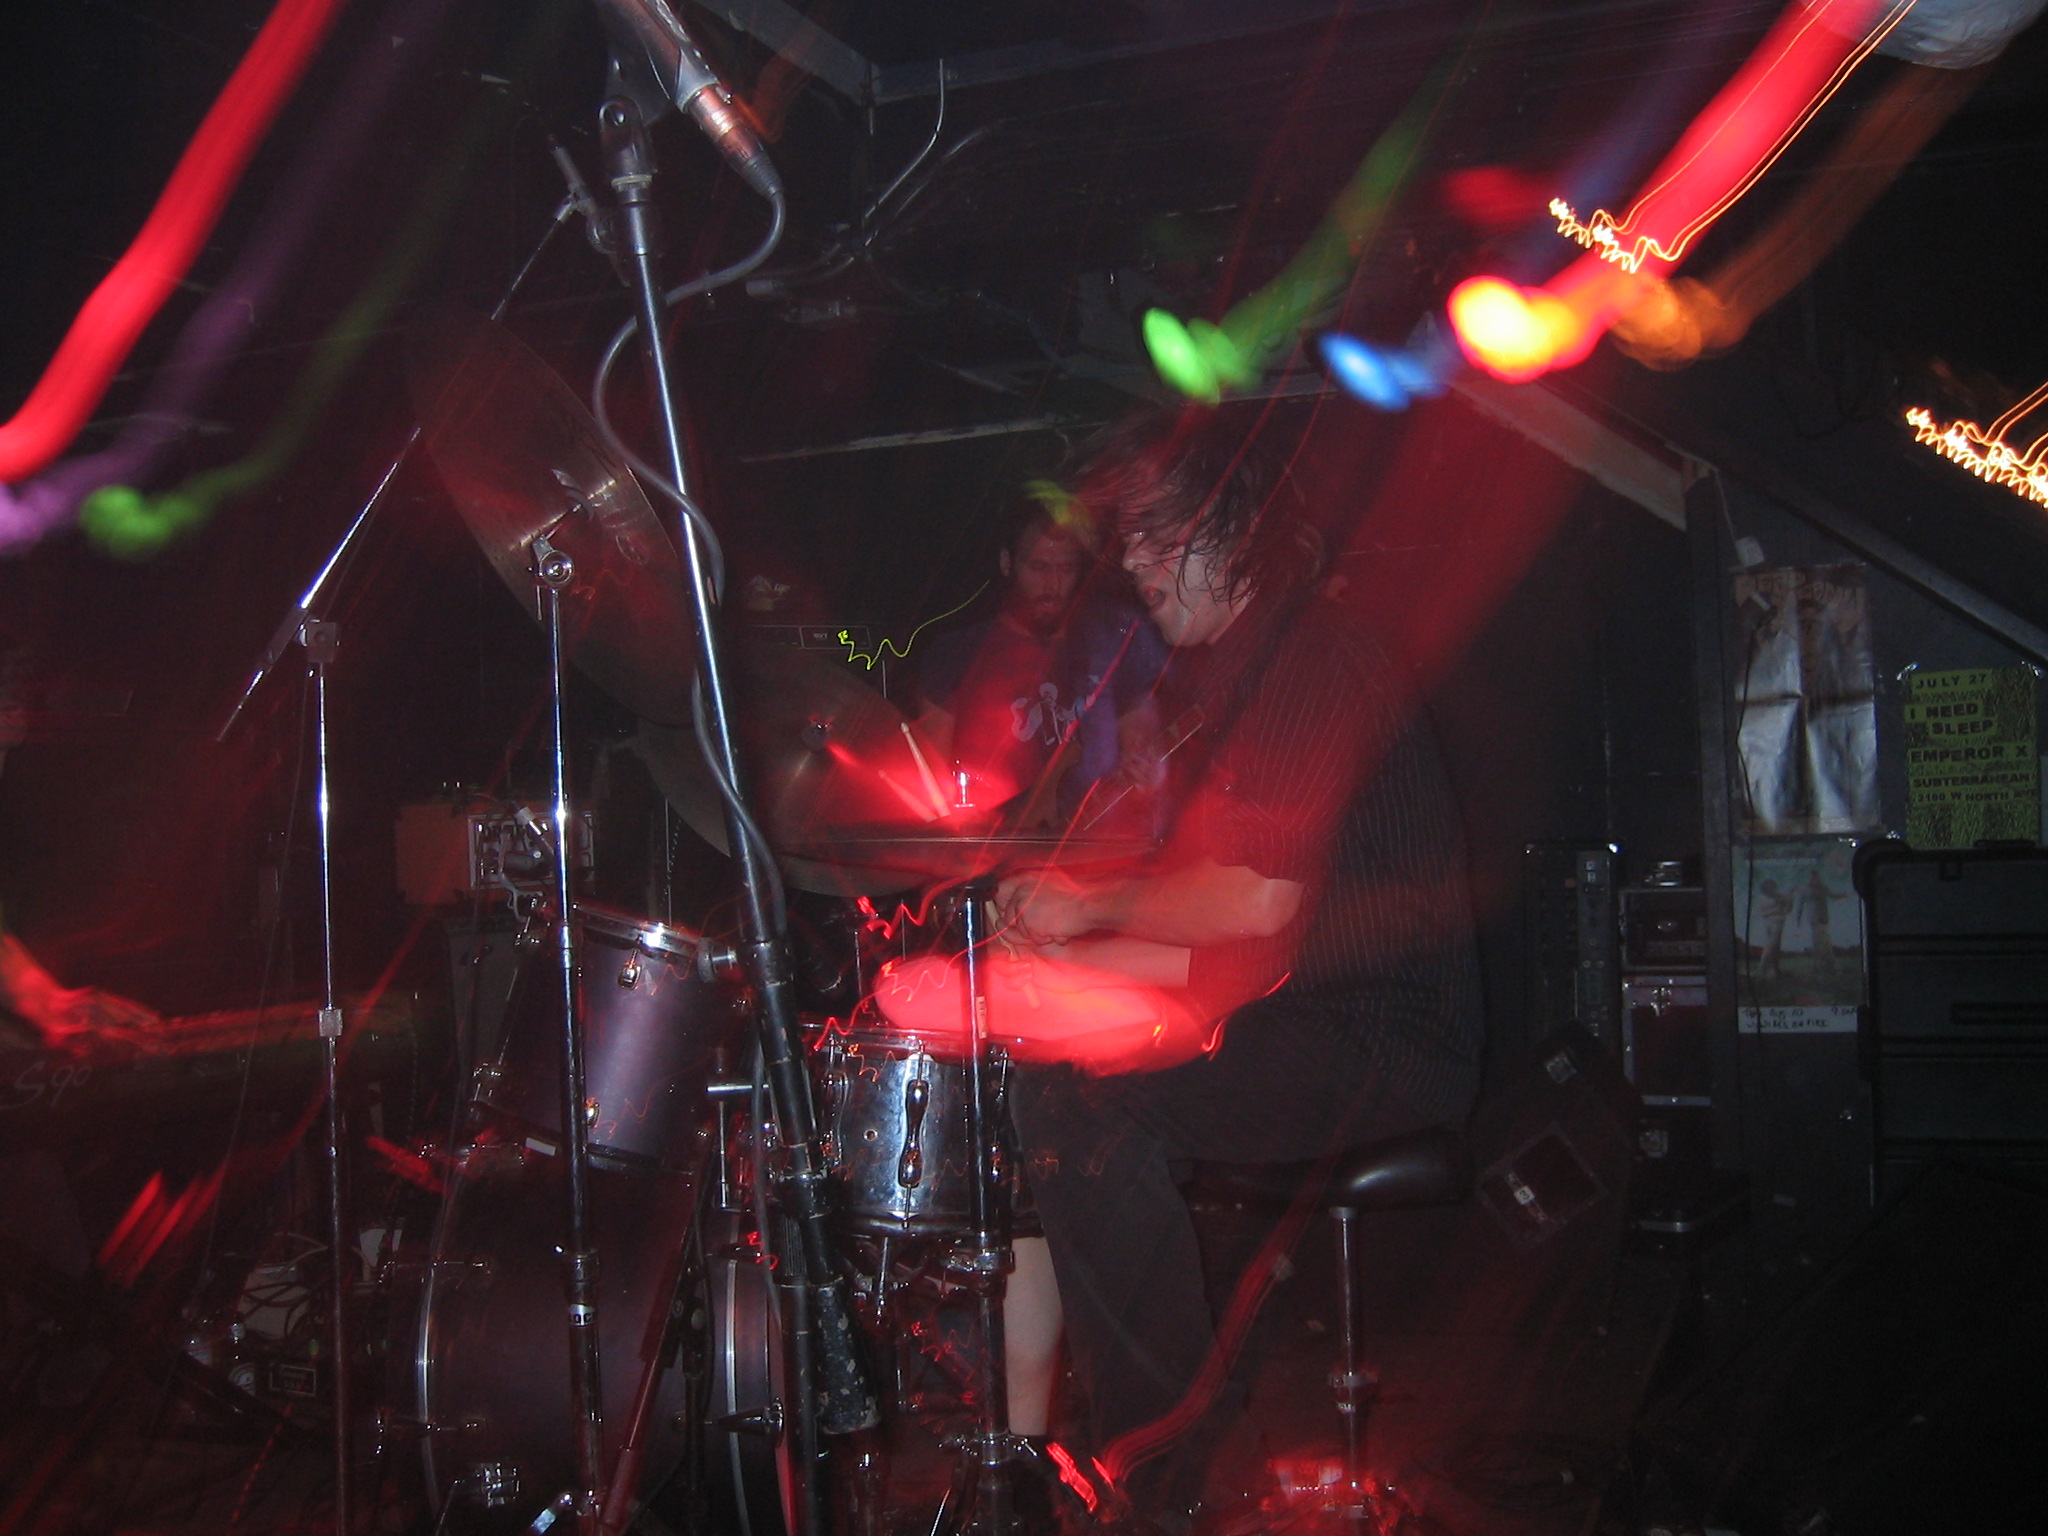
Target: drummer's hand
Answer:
pixel 1044 906
pixel 79 1019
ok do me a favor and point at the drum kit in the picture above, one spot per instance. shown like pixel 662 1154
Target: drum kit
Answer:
pixel 689 1383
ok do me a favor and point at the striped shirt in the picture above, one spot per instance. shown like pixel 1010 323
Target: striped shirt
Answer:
pixel 1313 764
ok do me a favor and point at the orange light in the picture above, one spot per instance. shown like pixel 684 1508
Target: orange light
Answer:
pixel 1751 121
pixel 1513 333
pixel 1985 453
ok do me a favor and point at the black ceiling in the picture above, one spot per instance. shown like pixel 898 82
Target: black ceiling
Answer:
pixel 1084 160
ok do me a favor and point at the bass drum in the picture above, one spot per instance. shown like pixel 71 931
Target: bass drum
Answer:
pixel 489 1370
pixel 748 1487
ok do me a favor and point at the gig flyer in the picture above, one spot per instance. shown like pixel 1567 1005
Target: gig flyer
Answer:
pixel 1973 769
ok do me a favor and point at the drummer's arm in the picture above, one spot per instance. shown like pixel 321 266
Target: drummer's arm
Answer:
pixel 1144 962
pixel 1192 904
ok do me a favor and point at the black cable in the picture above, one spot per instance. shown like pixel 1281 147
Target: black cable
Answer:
pixel 600 386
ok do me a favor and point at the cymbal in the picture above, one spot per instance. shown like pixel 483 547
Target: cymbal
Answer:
pixel 522 458
pixel 939 855
pixel 824 752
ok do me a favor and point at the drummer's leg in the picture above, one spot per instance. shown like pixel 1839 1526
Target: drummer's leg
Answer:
pixel 1032 1323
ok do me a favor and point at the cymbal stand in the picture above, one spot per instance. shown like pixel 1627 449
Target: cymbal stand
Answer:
pixel 302 612
pixel 321 642
pixel 832 1394
pixel 553 571
pixel 989 1451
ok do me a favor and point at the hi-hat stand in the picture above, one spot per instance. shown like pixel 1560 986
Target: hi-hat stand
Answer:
pixel 989 1452
pixel 832 1394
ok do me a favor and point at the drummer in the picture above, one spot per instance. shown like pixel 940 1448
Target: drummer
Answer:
pixel 1293 974
pixel 1053 692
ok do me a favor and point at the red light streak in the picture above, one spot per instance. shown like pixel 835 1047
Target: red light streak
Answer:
pixel 1518 334
pixel 1045 1009
pixel 112 319
pixel 1810 52
pixel 1985 453
pixel 1072 1475
pixel 153 1220
pixel 888 927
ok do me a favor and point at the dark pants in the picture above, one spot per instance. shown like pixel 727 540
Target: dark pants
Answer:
pixel 1287 1084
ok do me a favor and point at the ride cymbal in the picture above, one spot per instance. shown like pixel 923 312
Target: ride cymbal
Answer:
pixel 523 460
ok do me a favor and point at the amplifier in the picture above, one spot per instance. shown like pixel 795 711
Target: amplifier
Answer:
pixel 1663 928
pixel 1568 923
pixel 1664 1049
pixel 1955 1037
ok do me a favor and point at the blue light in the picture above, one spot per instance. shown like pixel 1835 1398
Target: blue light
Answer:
pixel 1364 370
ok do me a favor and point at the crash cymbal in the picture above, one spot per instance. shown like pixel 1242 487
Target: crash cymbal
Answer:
pixel 825 753
pixel 942 855
pixel 522 459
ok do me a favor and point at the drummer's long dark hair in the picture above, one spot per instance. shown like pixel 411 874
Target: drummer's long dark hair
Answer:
pixel 1213 477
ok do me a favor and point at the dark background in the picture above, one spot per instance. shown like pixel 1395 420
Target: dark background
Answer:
pixel 1090 161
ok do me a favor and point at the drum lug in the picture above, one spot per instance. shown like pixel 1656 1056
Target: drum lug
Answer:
pixel 765 1421
pixel 917 1097
pixel 629 974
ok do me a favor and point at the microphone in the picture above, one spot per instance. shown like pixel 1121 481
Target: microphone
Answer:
pixel 688 81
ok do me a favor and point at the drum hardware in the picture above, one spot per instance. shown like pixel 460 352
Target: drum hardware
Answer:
pixel 301 626
pixel 553 571
pixel 397 1423
pixel 983 1263
pixel 833 1396
pixel 766 1420
pixel 492 1484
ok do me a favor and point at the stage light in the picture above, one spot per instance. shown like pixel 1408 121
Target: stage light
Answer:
pixel 1197 358
pixel 1804 61
pixel 1202 358
pixel 1360 369
pixel 1390 378
pixel 1985 453
pixel 1515 334
pixel 131 526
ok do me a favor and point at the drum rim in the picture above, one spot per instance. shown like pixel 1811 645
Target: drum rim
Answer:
pixel 642 933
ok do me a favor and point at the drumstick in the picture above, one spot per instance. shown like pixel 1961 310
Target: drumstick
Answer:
pixel 1031 994
pixel 924 769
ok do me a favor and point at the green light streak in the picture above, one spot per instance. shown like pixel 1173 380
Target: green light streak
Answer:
pixel 889 647
pixel 131 526
pixel 1201 359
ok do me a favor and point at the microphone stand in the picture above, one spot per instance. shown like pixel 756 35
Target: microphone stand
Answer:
pixel 832 1394
pixel 321 641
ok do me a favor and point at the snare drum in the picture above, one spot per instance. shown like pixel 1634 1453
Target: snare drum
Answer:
pixel 650 1027
pixel 894 1119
